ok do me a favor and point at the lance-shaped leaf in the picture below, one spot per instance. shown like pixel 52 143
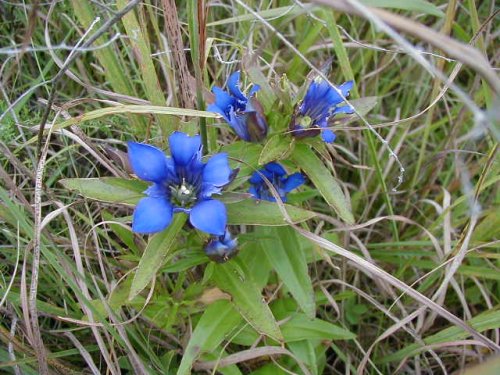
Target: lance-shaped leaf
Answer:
pixel 282 248
pixel 159 247
pixel 217 321
pixel 255 212
pixel 326 184
pixel 107 189
pixel 235 280
pixel 276 148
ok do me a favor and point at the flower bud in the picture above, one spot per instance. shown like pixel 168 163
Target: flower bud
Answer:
pixel 222 248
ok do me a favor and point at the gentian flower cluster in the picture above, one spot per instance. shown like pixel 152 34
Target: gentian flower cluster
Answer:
pixel 181 183
pixel 320 103
pixel 222 248
pixel 242 113
pixel 278 177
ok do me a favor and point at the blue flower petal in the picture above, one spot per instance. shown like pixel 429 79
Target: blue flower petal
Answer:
pixel 328 136
pixel 275 168
pixel 209 216
pixel 347 109
pixel 217 170
pixel 223 103
pixel 238 123
pixel 233 84
pixel 253 90
pixel 147 162
pixel 346 87
pixel 253 190
pixel 293 181
pixel 152 215
pixel 333 97
pixel 222 248
pixel 156 190
pixel 184 148
pixel 256 178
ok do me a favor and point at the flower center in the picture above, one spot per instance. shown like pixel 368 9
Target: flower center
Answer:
pixel 183 195
pixel 305 121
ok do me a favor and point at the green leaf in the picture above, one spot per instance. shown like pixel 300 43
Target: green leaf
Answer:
pixel 276 148
pixel 217 321
pixel 415 5
pixel 363 106
pixel 127 109
pixel 483 322
pixel 159 247
pixel 232 278
pixel 255 212
pixel 300 327
pixel 266 94
pixel 107 189
pixel 282 248
pixel 321 177
pixel 247 152
pixel 305 352
pixel 149 78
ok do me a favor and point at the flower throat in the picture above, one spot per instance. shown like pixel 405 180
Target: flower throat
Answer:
pixel 184 194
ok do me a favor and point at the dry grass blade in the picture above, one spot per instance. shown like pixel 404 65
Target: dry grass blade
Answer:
pixel 84 353
pixel 174 38
pixel 35 267
pixel 246 355
pixel 75 53
pixel 459 51
pixel 375 271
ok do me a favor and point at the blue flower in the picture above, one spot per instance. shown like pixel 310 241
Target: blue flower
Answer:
pixel 242 113
pixel 277 176
pixel 181 183
pixel 320 103
pixel 222 248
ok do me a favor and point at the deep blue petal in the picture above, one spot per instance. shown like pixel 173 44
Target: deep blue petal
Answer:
pixel 228 239
pixel 147 162
pixel 152 215
pixel 255 123
pixel 346 87
pixel 209 216
pixel 333 96
pixel 275 168
pixel 347 109
pixel 207 190
pixel 328 136
pixel 217 170
pixel 253 90
pixel 256 178
pixel 238 123
pixel 221 248
pixel 314 102
pixel 157 191
pixel 184 148
pixel 233 84
pixel 254 191
pixel 293 181
pixel 223 103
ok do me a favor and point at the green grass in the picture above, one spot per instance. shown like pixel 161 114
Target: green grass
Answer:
pixel 319 284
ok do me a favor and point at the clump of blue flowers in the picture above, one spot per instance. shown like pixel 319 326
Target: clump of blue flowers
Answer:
pixel 278 177
pixel 181 183
pixel 222 248
pixel 242 113
pixel 320 103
